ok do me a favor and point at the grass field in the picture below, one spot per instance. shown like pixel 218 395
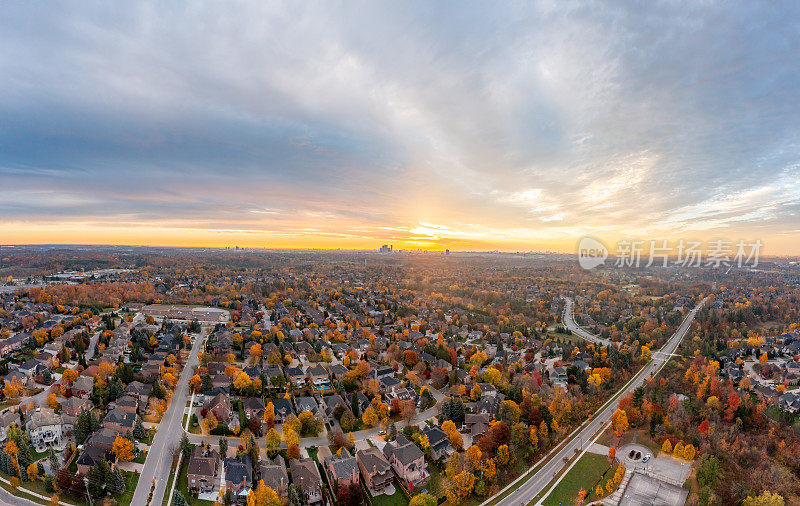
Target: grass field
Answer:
pixel 585 474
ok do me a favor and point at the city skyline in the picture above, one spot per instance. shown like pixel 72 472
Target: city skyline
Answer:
pixel 505 127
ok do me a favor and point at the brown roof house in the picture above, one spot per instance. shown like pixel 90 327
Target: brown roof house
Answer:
pixel 375 468
pixel 221 406
pixel 203 470
pixel 342 469
pixel 273 473
pixel 306 476
pixel 408 461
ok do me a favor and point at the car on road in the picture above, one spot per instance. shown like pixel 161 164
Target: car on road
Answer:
pixel 646 458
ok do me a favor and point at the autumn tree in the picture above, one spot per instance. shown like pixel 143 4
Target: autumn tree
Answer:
pixel 123 449
pixel 460 487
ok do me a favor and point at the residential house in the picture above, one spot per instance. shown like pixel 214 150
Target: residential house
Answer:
pixel 221 406
pixel 440 443
pixel 72 406
pixel 203 469
pixel 120 421
pixel 45 429
pixel 307 404
pixel 319 376
pixel 273 472
pixel 283 408
pixel 91 456
pixel 407 461
pixel 477 425
pixel 306 476
pixel 239 475
pixel 375 468
pixel 296 376
pixel 342 469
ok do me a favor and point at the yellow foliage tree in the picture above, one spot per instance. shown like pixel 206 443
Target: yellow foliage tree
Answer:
pixel 123 449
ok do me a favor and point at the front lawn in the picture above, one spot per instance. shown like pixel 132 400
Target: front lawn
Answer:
pixel 131 479
pixel 586 474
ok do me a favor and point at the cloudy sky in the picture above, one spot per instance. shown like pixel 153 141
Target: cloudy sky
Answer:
pixel 496 125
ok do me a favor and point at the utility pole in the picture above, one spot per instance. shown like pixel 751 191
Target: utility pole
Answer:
pixel 86 482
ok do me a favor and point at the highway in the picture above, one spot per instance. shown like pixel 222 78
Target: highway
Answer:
pixel 580 438
pixel 159 459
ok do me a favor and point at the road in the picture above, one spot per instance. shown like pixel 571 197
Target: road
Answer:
pixel 159 458
pixel 569 322
pixel 576 441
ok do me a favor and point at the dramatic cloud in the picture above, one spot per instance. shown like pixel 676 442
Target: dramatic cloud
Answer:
pixel 480 125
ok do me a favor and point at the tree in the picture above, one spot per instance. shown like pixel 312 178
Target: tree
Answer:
pixel 69 376
pixel 370 418
pixel 423 499
pixel 453 435
pixel 476 392
pixel 255 353
pixel 509 412
pixel 474 455
pixel 223 447
pixel 241 381
pixel 678 450
pixel 262 495
pixel 765 499
pixel 196 383
pixel 503 455
pixel 186 447
pixel 489 470
pixel 612 452
pixel 666 447
pixel 273 440
pixel 123 448
pixel 52 401
pixel 33 472
pixel 709 471
pixel 209 423
pixel 460 487
pixel 689 452
pixel 619 420
pixel 269 415
pixel 138 429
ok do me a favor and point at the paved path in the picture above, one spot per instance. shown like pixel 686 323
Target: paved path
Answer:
pixel 569 321
pixel 92 347
pixel 159 458
pixel 581 438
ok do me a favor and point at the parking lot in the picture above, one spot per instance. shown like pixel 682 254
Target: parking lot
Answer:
pixel 643 490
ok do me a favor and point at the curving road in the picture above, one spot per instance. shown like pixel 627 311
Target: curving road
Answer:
pixel 580 438
pixel 569 322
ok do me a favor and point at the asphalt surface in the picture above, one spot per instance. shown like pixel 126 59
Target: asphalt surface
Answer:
pixel 569 321
pixel 159 459
pixel 537 482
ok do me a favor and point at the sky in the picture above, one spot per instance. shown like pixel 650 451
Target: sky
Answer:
pixel 460 125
